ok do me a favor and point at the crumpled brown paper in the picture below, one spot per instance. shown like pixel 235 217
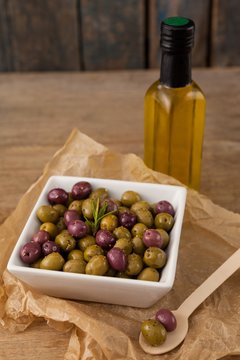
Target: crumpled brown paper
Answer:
pixel 102 331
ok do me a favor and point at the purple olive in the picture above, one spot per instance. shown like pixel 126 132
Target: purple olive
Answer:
pixel 71 215
pixel 164 206
pixel 81 190
pixel 50 246
pixel 117 259
pixel 127 219
pixel 152 237
pixel 105 239
pixel 30 252
pixel 58 196
pixel 111 205
pixel 41 237
pixel 167 319
pixel 77 228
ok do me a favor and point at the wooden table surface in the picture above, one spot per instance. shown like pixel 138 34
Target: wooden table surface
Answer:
pixel 38 112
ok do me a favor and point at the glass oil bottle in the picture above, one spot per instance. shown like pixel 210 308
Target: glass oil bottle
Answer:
pixel 174 108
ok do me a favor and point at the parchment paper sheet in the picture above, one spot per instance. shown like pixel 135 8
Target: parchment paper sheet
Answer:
pixel 101 331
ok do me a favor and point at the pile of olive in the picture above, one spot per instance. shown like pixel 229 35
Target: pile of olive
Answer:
pixel 155 330
pixel 86 231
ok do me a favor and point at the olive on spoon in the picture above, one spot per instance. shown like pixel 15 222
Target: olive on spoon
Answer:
pixel 182 314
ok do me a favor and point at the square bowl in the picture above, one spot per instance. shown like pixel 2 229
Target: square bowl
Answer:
pixel 104 289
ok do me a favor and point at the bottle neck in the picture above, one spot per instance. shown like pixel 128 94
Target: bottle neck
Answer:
pixel 176 69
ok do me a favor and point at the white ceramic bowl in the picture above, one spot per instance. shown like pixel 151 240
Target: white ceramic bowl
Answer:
pixel 103 289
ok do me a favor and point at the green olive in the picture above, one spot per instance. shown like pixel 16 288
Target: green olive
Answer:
pixel 153 208
pixel 75 254
pixel 50 228
pixel 65 241
pixel 124 244
pixel 99 193
pixel 53 261
pixel 60 208
pixel 153 332
pixel 70 199
pixel 139 205
pixel 122 275
pixel 145 217
pixel 138 245
pixel 122 232
pixel 138 229
pixel 122 209
pixel 149 274
pixel 155 257
pixel 109 222
pixel 97 265
pixel 91 251
pixel 76 205
pixel 135 264
pixel 165 236
pixel 75 266
pixel 164 221
pixel 86 241
pixel 47 213
pixel 36 264
pixel 87 209
pixel 129 198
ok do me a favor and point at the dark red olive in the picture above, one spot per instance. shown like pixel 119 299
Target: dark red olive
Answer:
pixel 77 228
pixel 71 215
pixel 151 237
pixel 41 237
pixel 167 319
pixel 164 206
pixel 30 252
pixel 58 196
pixel 105 239
pixel 81 190
pixel 50 246
pixel 117 259
pixel 127 219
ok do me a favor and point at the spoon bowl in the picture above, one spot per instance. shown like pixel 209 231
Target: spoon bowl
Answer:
pixel 182 314
pixel 174 338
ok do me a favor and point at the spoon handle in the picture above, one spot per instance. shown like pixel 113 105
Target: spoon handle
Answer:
pixel 211 284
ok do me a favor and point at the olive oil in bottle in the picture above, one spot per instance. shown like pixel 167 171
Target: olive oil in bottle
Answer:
pixel 174 108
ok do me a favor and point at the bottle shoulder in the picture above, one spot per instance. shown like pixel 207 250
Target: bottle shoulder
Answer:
pixel 198 89
pixel 192 90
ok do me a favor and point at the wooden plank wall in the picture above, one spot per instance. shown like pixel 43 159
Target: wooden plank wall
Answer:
pixel 42 34
pixel 50 35
pixel 113 34
pixel 225 49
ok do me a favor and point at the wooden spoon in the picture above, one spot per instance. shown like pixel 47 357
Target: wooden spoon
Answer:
pixel 182 314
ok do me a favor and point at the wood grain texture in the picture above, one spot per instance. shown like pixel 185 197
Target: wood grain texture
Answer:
pixel 113 34
pixel 5 40
pixel 198 11
pixel 39 342
pixel 43 34
pixel 38 112
pixel 225 47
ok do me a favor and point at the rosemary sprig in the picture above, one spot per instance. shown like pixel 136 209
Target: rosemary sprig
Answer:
pixel 98 215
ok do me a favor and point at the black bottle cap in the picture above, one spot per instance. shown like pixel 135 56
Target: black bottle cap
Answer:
pixel 177 34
